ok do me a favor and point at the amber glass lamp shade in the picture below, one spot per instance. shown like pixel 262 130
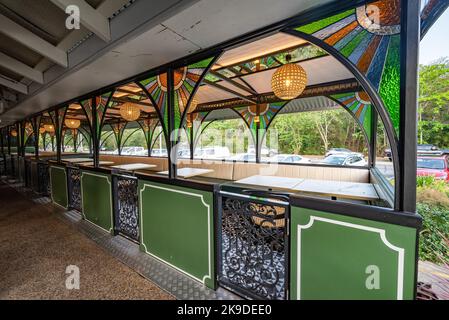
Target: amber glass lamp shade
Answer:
pixel 130 111
pixel 289 81
pixel 72 123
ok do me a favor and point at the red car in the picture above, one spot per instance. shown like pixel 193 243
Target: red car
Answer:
pixel 434 166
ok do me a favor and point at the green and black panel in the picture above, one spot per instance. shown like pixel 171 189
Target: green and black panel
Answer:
pixel 97 198
pixel 58 185
pixel 335 256
pixel 177 225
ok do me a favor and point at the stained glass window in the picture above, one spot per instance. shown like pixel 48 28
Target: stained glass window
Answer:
pixel 369 36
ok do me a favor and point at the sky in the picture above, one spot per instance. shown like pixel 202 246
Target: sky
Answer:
pixel 436 43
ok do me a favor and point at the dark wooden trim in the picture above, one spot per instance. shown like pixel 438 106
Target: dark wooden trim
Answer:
pixel 408 130
pixel 358 211
pixel 204 186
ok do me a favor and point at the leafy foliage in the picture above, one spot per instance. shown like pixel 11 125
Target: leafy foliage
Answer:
pixel 433 123
pixel 433 206
pixel 434 243
pixel 310 133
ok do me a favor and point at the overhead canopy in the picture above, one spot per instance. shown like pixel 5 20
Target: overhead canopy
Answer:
pixel 318 103
pixel 247 70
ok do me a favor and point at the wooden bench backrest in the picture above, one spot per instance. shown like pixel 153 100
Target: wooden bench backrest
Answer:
pixel 222 170
pixel 244 170
pixel 161 163
pixel 228 170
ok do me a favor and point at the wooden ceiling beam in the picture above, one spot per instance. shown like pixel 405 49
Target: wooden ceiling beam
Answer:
pixel 234 83
pixel 237 94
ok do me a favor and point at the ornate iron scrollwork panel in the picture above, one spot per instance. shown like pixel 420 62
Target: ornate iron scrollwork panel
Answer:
pixel 43 178
pixel 13 166
pixel 126 208
pixel 74 188
pixel 8 165
pixel 28 173
pixel 2 165
pixel 253 251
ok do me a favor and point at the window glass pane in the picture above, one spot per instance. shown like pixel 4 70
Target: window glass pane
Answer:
pixel 329 137
pixel 226 139
pixel 134 143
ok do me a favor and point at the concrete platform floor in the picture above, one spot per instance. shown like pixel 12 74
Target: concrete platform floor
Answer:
pixel 36 247
pixel 437 276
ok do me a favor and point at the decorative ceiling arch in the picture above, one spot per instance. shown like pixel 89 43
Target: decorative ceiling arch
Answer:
pixel 148 127
pixel 360 106
pixel 97 107
pixel 186 81
pixel 369 37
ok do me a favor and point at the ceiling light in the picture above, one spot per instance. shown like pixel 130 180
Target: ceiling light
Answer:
pixel 289 80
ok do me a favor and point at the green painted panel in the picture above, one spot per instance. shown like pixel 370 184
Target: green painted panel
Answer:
pixel 58 180
pixel 97 199
pixel 318 25
pixel 339 257
pixel 177 227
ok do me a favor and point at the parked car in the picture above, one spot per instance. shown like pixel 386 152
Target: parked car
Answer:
pixel 248 157
pixel 265 152
pixel 337 151
pixel 184 153
pixel 433 166
pixel 133 151
pixel 289 158
pixel 352 159
pixel 428 149
pixel 387 154
pixel 159 153
pixel 422 149
pixel 215 152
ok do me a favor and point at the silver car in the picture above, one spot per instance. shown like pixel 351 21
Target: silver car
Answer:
pixel 352 159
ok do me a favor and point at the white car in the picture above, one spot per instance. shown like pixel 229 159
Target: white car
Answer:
pixel 248 157
pixel 289 158
pixel 133 151
pixel 265 152
pixel 352 159
pixel 338 151
pixel 159 153
pixel 213 153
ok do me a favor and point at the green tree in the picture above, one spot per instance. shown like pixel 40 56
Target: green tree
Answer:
pixel 433 102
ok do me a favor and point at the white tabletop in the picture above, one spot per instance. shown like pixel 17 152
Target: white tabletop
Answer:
pixel 271 181
pixel 189 172
pixel 101 163
pixel 134 166
pixel 77 160
pixel 339 189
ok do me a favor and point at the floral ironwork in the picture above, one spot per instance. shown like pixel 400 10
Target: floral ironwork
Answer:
pixel 253 250
pixel 126 210
pixel 43 175
pixel 74 188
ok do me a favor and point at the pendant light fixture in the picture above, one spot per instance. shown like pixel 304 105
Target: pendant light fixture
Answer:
pixel 49 128
pixel 130 111
pixel 289 80
pixel 72 123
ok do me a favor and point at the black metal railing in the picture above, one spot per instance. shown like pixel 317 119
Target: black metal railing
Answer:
pixel 8 169
pixel 28 173
pixel 20 175
pixel 34 176
pixel 43 176
pixel 2 165
pixel 74 187
pixel 126 206
pixel 13 166
pixel 253 244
